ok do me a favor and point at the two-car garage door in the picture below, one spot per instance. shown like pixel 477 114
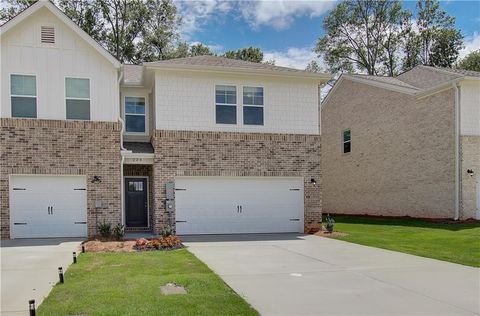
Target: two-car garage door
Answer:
pixel 224 205
pixel 48 206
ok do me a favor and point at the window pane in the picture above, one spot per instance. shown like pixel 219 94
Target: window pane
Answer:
pixel 78 109
pixel 23 85
pixel 253 95
pixel 77 88
pixel 226 94
pixel 135 123
pixel 226 114
pixel 347 147
pixel 253 115
pixel 134 105
pixel 24 107
pixel 346 136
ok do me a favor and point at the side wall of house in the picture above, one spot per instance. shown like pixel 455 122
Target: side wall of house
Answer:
pixel 402 161
pixel 187 153
pixel 34 146
pixel 23 53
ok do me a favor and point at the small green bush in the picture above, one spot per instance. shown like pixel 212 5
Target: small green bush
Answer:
pixel 118 231
pixel 167 231
pixel 105 229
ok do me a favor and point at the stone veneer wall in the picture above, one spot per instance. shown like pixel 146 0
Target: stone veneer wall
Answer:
pixel 35 146
pixel 402 161
pixel 143 171
pixel 188 153
pixel 470 153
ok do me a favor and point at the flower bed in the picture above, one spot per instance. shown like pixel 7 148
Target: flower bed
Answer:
pixel 162 243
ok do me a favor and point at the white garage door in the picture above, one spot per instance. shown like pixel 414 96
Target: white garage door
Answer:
pixel 48 206
pixel 223 205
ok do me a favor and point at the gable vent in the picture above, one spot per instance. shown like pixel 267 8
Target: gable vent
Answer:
pixel 48 34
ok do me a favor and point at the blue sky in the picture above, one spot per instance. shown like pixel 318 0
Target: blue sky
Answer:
pixel 287 30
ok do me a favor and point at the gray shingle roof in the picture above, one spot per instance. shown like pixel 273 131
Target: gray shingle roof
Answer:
pixel 132 74
pixel 216 61
pixel 138 148
pixel 389 80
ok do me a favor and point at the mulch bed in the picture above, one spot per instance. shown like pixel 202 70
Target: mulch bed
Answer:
pixel 142 244
pixel 109 246
pixel 324 233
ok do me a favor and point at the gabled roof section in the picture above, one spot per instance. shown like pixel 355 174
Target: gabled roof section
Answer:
pixel 231 65
pixel 61 16
pixel 133 75
pixel 426 78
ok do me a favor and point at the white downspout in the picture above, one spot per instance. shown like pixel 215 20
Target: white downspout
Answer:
pixel 457 152
pixel 122 150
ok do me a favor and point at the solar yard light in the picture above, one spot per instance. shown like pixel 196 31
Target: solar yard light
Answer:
pixel 31 307
pixel 60 274
pixel 74 257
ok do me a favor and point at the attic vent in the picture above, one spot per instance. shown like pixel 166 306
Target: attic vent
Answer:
pixel 48 34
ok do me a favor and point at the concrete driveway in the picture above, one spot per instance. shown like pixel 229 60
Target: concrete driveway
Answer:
pixel 310 275
pixel 29 269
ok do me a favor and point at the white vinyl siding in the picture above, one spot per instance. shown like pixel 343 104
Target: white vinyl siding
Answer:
pixel 23 92
pixel 77 92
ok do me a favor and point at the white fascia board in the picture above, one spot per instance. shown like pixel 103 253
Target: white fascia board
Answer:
pixel 60 15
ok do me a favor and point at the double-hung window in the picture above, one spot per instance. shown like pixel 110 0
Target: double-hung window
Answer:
pixel 135 114
pixel 346 141
pixel 77 93
pixel 225 104
pixel 253 105
pixel 23 92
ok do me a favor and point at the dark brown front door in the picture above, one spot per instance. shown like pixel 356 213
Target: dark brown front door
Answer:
pixel 136 205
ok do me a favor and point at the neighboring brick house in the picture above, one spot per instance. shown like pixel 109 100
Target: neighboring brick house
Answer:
pixel 403 146
pixel 205 144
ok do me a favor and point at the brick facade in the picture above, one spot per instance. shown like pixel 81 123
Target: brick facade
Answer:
pixel 186 153
pixel 34 146
pixel 402 161
pixel 470 153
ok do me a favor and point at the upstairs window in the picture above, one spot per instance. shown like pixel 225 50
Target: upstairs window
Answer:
pixel 225 104
pixel 135 115
pixel 23 92
pixel 346 141
pixel 252 105
pixel 77 93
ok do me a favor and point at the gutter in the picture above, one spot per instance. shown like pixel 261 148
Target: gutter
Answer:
pixel 122 151
pixel 456 215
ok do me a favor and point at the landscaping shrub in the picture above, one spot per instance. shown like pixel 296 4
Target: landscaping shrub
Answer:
pixel 105 230
pixel 166 231
pixel 118 231
pixel 162 243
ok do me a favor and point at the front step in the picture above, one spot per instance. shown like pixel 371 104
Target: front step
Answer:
pixel 137 229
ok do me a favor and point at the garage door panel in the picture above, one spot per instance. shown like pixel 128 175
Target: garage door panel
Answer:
pixel 210 205
pixel 48 206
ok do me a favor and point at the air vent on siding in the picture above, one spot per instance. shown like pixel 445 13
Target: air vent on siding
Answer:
pixel 48 34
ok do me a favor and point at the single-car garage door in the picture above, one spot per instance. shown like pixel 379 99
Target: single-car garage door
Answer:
pixel 48 206
pixel 224 205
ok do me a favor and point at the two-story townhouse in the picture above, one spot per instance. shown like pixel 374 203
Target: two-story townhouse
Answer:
pixel 403 146
pixel 204 144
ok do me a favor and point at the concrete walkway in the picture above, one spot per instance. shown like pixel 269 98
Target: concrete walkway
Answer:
pixel 29 269
pixel 310 275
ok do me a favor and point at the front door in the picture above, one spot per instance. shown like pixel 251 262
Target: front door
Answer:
pixel 136 204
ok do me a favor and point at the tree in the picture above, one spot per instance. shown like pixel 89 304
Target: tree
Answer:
pixel 200 50
pixel 86 15
pixel 362 35
pixel 253 54
pixel 470 62
pixel 439 41
pixel 313 66
pixel 10 8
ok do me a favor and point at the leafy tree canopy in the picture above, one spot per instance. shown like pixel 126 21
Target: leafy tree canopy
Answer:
pixel 470 62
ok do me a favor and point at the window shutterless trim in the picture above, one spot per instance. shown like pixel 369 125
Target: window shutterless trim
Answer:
pixel 22 96
pixel 228 104
pixel 146 114
pixel 253 105
pixel 74 98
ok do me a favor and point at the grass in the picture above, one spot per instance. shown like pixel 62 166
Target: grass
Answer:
pixel 129 284
pixel 458 243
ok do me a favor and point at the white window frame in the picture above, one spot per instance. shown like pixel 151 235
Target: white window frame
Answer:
pixel 348 141
pixel 229 104
pixel 130 95
pixel 252 105
pixel 71 98
pixel 22 96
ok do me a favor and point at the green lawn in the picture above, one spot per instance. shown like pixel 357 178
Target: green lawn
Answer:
pixel 459 243
pixel 129 284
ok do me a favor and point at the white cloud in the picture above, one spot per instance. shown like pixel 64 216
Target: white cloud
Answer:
pixel 198 12
pixel 471 43
pixel 281 14
pixel 292 57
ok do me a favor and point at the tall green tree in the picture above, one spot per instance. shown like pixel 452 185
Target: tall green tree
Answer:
pixel 200 50
pixel 470 62
pixel 11 8
pixel 362 35
pixel 85 13
pixel 253 54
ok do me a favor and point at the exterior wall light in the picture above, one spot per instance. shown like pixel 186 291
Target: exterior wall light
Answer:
pixel 96 179
pixel 470 172
pixel 312 181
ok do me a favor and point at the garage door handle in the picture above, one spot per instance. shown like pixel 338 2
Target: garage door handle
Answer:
pixel 295 219
pixel 19 223
pixel 240 209
pixel 180 221
pixel 80 222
